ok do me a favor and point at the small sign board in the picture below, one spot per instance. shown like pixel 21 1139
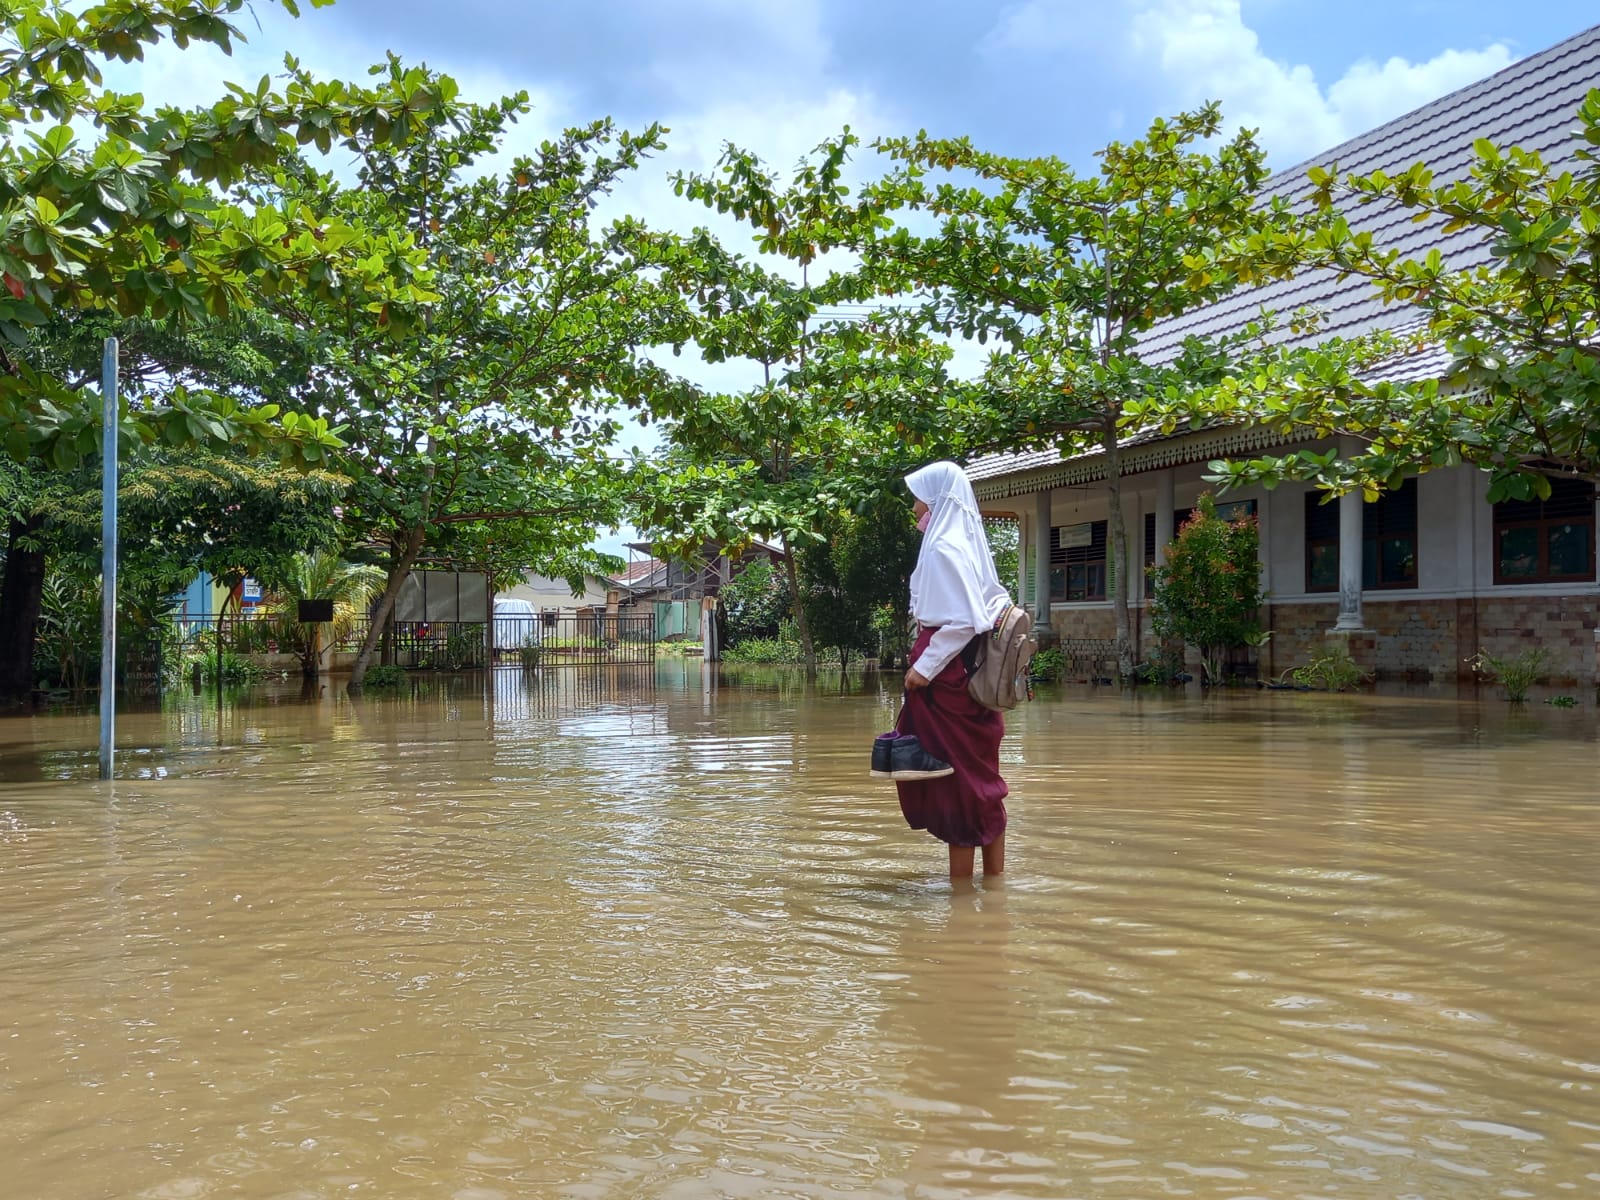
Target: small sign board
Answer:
pixel 316 610
pixel 1075 535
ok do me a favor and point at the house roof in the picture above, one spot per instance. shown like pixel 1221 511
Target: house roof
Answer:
pixel 1532 104
pixel 636 573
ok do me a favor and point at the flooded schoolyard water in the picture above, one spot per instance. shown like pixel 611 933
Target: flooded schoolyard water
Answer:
pixel 660 936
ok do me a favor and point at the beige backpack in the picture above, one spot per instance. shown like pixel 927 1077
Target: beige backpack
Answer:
pixel 997 671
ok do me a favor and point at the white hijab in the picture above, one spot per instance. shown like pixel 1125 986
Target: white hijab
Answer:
pixel 955 581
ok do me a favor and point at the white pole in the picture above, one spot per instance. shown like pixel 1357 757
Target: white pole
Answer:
pixel 108 556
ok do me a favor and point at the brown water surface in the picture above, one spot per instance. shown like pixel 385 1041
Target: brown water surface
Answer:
pixel 662 937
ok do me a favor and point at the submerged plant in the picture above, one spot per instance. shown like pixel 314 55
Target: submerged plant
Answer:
pixel 385 677
pixel 1048 665
pixel 1516 673
pixel 1333 670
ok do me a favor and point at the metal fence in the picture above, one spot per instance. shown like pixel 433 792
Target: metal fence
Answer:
pixel 572 639
pixel 548 639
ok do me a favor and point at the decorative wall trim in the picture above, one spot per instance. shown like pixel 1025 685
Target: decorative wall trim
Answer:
pixel 1177 450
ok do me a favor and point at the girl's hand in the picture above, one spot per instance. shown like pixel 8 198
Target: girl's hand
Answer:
pixel 914 680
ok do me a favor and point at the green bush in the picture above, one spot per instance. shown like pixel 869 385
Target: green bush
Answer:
pixel 755 602
pixel 1333 670
pixel 1164 666
pixel 1048 665
pixel 1516 674
pixel 762 650
pixel 1208 591
pixel 384 677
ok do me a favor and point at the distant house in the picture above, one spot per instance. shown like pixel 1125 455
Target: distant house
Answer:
pixel 547 595
pixel 1418 581
pixel 539 606
pixel 677 587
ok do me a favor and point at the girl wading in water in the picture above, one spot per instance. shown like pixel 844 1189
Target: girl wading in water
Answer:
pixel 954 594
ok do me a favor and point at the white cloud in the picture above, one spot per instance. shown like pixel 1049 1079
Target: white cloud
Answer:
pixel 1208 52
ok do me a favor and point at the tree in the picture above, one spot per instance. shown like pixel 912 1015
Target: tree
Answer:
pixel 482 431
pixel 321 575
pixel 1520 392
pixel 847 395
pixel 862 566
pixel 224 511
pixel 755 602
pixel 1071 272
pixel 1208 592
pixel 132 223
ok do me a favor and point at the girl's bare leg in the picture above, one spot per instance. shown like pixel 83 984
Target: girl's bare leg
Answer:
pixel 994 857
pixel 961 861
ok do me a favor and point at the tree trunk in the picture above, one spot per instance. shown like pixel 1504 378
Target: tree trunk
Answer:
pixel 1116 576
pixel 398 572
pixel 791 568
pixel 21 594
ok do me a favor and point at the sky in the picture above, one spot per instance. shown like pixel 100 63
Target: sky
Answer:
pixel 1023 77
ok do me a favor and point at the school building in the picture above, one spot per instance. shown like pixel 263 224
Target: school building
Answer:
pixel 1441 573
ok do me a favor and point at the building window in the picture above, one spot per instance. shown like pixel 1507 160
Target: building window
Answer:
pixel 1078 562
pixel 1388 541
pixel 1546 541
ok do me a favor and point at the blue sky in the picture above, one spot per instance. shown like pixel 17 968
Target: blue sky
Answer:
pixel 1025 77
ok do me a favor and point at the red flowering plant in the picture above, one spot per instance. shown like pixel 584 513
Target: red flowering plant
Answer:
pixel 1208 592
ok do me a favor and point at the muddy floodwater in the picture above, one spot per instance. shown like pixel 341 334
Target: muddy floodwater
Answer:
pixel 659 935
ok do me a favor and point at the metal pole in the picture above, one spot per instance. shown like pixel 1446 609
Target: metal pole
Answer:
pixel 108 556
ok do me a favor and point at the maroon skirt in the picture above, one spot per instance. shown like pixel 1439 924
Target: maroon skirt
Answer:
pixel 968 807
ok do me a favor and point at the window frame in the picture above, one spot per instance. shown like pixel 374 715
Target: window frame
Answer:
pixel 1064 561
pixel 1503 521
pixel 1374 535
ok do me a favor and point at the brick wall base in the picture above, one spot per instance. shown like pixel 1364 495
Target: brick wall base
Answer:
pixel 1412 640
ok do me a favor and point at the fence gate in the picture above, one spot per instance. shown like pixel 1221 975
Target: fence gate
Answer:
pixel 563 638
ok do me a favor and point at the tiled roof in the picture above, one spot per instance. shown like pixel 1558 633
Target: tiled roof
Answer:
pixel 1532 103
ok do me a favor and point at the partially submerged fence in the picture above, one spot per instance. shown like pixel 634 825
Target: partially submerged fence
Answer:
pixel 548 639
pixel 563 638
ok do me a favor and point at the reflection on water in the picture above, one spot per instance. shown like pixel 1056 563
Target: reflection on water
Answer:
pixel 657 934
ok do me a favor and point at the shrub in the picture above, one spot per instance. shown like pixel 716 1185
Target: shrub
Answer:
pixel 384 677
pixel 1164 666
pixel 1516 674
pixel 1209 589
pixel 755 602
pixel 1048 665
pixel 1333 670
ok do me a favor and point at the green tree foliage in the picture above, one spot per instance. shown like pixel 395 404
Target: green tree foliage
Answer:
pixel 755 602
pixel 482 432
pixel 847 396
pixel 1208 592
pixel 132 221
pixel 192 510
pixel 321 575
pixel 862 566
pixel 1071 272
pixel 1519 394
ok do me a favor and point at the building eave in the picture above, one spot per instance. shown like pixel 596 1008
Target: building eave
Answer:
pixel 1173 451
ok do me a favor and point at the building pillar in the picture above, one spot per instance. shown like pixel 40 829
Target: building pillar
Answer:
pixel 1350 616
pixel 1024 536
pixel 1041 565
pixel 1165 504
